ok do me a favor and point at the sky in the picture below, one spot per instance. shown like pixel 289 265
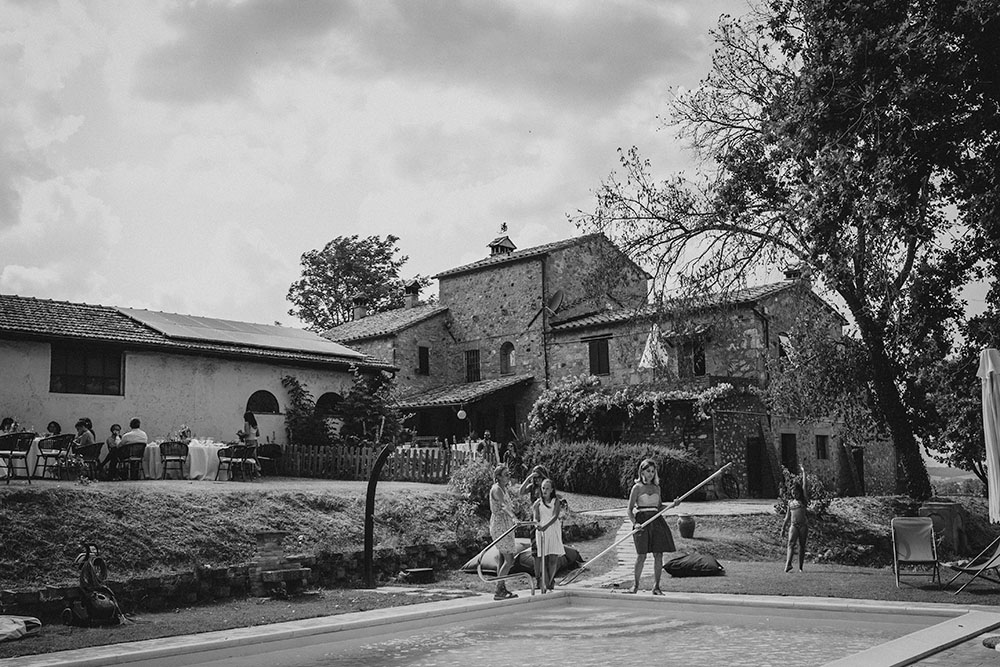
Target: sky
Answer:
pixel 181 156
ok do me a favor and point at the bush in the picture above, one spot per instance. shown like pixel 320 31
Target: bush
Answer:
pixel 817 495
pixel 601 469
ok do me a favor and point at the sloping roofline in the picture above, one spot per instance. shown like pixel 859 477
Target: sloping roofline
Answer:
pixel 386 323
pixel 536 251
pixel 29 318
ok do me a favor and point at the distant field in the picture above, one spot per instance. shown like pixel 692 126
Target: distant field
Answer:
pixel 940 472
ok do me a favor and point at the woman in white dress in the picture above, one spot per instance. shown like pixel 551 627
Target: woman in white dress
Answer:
pixel 548 533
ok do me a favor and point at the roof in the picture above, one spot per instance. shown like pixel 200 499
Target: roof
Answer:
pixel 382 324
pixel 44 319
pixel 527 253
pixel 462 393
pixel 743 296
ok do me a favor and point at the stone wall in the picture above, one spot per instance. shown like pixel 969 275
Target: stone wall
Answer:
pixel 208 584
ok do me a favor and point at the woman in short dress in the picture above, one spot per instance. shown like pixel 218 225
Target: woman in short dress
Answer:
pixel 644 502
pixel 502 519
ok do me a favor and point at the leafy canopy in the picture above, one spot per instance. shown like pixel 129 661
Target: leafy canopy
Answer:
pixel 857 138
pixel 346 267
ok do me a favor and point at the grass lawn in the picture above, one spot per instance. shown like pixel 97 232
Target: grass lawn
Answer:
pixel 162 526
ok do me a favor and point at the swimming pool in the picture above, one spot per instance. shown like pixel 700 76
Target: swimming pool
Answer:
pixel 580 627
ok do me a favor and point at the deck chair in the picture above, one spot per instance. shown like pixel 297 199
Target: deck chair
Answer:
pixel 988 560
pixel 913 545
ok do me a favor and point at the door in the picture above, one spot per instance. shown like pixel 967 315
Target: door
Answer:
pixel 789 452
pixel 755 468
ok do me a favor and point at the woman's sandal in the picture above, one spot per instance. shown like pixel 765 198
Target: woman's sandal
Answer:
pixel 506 595
pixel 657 591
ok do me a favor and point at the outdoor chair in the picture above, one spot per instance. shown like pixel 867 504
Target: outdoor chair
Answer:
pixel 237 458
pixel 173 453
pixel 913 546
pixel 91 457
pixel 133 460
pixel 269 456
pixel 15 447
pixel 55 448
pixel 988 561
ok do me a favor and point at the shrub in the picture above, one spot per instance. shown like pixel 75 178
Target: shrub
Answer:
pixel 601 469
pixel 818 496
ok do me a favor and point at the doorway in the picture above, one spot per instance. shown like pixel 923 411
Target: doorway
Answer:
pixel 789 452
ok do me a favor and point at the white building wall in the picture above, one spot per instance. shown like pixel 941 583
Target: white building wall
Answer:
pixel 163 390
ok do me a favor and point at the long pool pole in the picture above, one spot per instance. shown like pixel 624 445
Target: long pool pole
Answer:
pixel 575 573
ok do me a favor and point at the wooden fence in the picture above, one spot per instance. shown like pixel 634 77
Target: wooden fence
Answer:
pixel 410 464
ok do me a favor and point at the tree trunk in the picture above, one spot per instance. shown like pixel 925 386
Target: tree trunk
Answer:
pixel 911 473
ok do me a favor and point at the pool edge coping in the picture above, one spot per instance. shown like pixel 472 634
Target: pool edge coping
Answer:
pixel 941 635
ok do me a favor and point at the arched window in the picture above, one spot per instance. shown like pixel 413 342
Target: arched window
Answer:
pixel 507 358
pixel 328 405
pixel 263 402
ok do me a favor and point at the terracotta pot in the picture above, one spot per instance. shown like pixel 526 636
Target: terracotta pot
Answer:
pixel 686 524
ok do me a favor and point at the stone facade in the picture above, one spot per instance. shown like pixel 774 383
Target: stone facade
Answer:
pixel 579 307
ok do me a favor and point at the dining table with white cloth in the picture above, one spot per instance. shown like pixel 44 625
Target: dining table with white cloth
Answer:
pixel 202 461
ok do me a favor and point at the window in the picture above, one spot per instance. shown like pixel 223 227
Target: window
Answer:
pixel 86 370
pixel 263 402
pixel 784 345
pixel 328 405
pixel 691 362
pixel 423 360
pixel 599 361
pixel 507 358
pixel 822 446
pixel 472 366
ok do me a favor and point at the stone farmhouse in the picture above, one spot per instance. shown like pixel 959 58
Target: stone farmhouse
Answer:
pixel 516 322
pixel 61 361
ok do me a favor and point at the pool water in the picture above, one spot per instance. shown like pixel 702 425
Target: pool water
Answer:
pixel 585 633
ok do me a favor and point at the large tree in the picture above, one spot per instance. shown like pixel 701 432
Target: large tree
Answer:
pixel 858 137
pixel 344 268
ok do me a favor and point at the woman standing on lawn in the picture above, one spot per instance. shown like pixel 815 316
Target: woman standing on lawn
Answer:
pixel 796 522
pixel 502 519
pixel 644 502
pixel 548 529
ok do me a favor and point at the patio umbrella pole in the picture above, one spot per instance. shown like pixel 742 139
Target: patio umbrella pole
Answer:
pixel 573 575
pixel 370 513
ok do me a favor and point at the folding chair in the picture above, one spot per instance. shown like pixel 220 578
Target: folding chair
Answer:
pixel 913 545
pixel 15 447
pixel 53 448
pixel 988 559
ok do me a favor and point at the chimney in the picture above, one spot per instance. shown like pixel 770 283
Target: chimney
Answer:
pixel 502 245
pixel 360 309
pixel 799 272
pixel 412 291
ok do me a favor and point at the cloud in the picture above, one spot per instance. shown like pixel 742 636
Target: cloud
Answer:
pixel 220 46
pixel 574 52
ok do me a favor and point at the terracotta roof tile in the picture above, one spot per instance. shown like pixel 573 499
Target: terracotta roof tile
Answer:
pixel 518 255
pixel 463 393
pixel 46 319
pixel 614 316
pixel 383 324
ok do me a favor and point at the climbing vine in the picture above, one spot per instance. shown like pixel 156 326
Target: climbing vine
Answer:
pixel 575 407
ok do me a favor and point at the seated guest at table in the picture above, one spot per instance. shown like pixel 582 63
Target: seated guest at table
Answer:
pixel 83 435
pixel 90 427
pixel 115 438
pixel 7 425
pixel 135 434
pixel 119 452
pixel 53 429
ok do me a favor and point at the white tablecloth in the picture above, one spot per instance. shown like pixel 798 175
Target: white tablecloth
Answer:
pixel 202 461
